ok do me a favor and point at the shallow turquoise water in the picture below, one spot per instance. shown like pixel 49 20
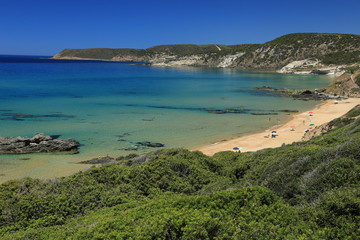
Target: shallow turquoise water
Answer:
pixel 109 107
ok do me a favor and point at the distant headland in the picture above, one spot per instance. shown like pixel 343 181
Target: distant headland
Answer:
pixel 318 53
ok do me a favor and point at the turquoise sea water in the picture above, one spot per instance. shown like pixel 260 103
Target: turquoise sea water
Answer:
pixel 109 107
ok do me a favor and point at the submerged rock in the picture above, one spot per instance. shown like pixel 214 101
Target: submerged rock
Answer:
pixel 150 144
pixel 148 119
pixel 289 111
pixel 223 111
pixel 21 116
pixel 38 143
pixel 259 113
pixel 216 111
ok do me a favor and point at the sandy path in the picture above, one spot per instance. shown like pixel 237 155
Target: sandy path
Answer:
pixel 322 113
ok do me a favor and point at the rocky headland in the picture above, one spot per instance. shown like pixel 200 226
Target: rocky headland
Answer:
pixel 318 53
pixel 347 84
pixel 326 127
pixel 39 143
pixel 297 53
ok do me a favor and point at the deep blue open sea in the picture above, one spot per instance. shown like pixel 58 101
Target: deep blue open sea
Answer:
pixel 110 106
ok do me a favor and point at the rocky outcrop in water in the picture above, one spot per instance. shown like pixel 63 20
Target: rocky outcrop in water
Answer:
pixel 151 144
pixel 317 94
pixel 40 143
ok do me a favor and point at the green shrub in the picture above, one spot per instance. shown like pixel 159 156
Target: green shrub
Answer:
pixel 357 79
pixel 355 112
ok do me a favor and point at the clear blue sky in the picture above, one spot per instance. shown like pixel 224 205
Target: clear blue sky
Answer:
pixel 44 27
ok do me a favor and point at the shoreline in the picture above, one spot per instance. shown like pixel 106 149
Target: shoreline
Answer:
pixel 323 113
pixel 82 59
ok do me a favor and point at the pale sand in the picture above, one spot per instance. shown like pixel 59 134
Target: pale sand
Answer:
pixel 322 113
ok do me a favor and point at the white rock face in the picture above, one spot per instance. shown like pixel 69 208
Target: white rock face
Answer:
pixel 297 67
pixel 336 71
pixel 128 58
pixel 298 64
pixel 174 61
pixel 229 59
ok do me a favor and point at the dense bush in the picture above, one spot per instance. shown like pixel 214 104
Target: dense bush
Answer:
pixel 357 79
pixel 248 213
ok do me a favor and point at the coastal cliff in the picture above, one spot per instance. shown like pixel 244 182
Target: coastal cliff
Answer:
pixel 323 129
pixel 347 84
pixel 298 52
pixel 109 54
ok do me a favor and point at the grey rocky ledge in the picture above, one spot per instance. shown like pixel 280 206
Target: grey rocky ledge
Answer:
pixel 38 143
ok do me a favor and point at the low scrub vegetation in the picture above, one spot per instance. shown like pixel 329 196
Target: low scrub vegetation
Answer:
pixel 357 78
pixel 341 58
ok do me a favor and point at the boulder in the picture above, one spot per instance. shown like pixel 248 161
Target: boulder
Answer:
pixel 38 143
pixel 150 144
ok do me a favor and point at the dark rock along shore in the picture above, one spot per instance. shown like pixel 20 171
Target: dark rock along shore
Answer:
pixel 38 143
pixel 317 94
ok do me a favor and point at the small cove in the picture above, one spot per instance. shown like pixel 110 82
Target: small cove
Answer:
pixel 110 106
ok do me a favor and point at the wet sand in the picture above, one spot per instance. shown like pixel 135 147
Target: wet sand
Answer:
pixel 291 131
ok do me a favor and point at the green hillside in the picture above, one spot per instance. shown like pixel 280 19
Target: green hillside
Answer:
pixel 303 39
pixel 100 53
pixel 192 49
pixel 177 49
pixel 330 48
pixel 184 49
pixel 307 190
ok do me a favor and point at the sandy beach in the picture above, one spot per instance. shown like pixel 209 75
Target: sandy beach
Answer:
pixel 291 131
